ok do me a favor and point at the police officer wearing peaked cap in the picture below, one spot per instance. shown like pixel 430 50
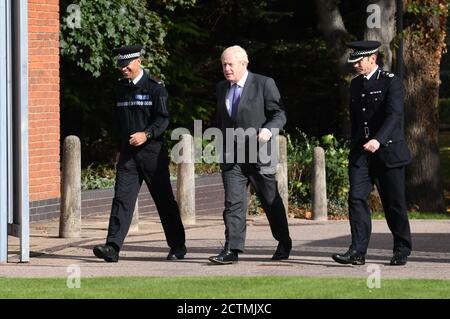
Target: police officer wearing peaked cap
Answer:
pixel 141 119
pixel 378 154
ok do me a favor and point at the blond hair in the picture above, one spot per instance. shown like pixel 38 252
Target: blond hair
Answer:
pixel 238 52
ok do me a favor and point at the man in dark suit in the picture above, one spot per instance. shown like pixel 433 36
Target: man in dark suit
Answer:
pixel 249 102
pixel 378 154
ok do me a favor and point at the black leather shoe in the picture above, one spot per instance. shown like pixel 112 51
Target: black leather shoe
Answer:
pixel 283 251
pixel 350 257
pixel 225 257
pixel 399 259
pixel 106 252
pixel 177 253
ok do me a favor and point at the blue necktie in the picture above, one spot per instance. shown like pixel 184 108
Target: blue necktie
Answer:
pixel 236 97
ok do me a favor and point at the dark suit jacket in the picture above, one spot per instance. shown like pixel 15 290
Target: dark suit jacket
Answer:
pixel 376 110
pixel 260 106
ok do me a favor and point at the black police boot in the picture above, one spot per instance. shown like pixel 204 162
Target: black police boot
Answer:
pixel 283 251
pixel 177 253
pixel 350 257
pixel 107 252
pixel 399 259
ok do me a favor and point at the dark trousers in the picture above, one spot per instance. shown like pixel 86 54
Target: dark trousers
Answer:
pixel 235 181
pixel 151 165
pixel 390 183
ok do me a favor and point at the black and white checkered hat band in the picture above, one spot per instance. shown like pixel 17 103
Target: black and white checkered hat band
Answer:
pixel 128 56
pixel 358 55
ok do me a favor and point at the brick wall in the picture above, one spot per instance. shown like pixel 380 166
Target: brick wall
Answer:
pixel 43 64
pixel 209 200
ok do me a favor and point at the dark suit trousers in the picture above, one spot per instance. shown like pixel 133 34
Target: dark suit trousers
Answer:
pixel 235 181
pixel 131 171
pixel 390 183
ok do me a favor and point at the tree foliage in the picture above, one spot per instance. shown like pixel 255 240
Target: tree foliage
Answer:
pixel 183 41
pixel 88 71
pixel 282 42
pixel 107 24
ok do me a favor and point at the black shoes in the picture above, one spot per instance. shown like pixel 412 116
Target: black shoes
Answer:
pixel 106 252
pixel 283 251
pixel 229 256
pixel 111 254
pixel 177 253
pixel 226 257
pixel 350 257
pixel 399 259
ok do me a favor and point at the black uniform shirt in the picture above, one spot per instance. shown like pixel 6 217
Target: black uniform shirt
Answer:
pixel 140 107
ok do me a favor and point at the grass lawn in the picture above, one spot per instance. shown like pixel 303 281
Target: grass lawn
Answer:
pixel 417 215
pixel 231 287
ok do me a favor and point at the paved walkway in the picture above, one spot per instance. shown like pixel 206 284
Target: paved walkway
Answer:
pixel 144 251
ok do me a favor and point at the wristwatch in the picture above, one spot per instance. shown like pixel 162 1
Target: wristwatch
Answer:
pixel 148 135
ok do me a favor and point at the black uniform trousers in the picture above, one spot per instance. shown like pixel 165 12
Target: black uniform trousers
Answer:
pixel 148 163
pixel 390 183
pixel 236 181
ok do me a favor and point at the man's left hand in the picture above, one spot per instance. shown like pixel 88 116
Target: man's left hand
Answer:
pixel 264 135
pixel 371 146
pixel 137 139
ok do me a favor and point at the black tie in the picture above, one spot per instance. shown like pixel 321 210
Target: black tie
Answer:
pixel 365 82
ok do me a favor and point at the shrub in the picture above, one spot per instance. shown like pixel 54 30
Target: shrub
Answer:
pixel 97 177
pixel 300 158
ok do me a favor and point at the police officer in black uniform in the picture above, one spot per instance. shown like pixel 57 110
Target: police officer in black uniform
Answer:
pixel 142 117
pixel 378 154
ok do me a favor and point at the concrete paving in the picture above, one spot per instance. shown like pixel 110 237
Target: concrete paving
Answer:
pixel 144 251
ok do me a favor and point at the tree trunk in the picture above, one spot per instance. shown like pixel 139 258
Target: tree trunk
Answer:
pixel 423 46
pixel 333 28
pixel 386 30
pixel 335 33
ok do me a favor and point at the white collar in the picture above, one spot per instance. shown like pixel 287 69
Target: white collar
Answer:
pixel 368 76
pixel 136 79
pixel 242 81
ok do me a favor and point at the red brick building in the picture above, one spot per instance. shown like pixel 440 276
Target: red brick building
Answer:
pixel 43 99
pixel 29 117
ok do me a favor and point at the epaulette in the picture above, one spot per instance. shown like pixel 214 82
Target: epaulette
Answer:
pixel 152 77
pixel 156 80
pixel 386 74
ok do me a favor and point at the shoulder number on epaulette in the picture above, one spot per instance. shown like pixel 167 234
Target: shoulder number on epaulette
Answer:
pixel 388 74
